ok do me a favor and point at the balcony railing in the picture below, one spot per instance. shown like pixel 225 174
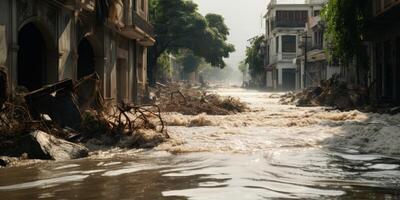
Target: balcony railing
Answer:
pixel 277 23
pixel 87 4
pixel 288 56
pixel 316 47
pixel 142 24
pixel 135 25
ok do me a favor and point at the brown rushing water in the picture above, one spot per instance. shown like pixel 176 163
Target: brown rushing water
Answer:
pixel 273 152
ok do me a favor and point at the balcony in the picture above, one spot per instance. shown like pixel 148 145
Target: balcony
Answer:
pixel 287 56
pixel 276 23
pixel 136 27
pixel 142 24
pixel 316 47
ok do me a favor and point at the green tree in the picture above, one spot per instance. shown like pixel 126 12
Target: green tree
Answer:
pixel 165 68
pixel 255 55
pixel 178 25
pixel 346 22
pixel 244 69
pixel 190 63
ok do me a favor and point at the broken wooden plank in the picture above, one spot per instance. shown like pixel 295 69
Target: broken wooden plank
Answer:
pixel 49 89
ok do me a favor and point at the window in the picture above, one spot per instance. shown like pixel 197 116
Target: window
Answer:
pixel 289 43
pixel 277 44
pixel 142 5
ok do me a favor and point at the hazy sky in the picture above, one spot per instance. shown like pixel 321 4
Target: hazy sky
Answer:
pixel 243 17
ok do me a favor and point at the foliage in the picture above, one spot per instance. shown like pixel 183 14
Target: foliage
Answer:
pixel 190 63
pixel 346 22
pixel 165 67
pixel 178 25
pixel 255 55
pixel 243 67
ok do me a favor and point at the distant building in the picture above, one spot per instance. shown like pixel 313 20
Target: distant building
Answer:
pixel 384 51
pixel 319 66
pixel 51 40
pixel 285 23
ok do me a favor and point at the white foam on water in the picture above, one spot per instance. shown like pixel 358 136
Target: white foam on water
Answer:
pixel 45 182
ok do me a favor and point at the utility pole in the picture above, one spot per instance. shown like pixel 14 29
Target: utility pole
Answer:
pixel 305 59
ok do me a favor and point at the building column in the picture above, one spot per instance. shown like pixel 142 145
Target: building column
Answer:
pixel 99 63
pixel 133 82
pixel 13 47
pixel 52 69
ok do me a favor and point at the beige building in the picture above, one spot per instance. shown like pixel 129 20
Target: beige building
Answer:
pixel 53 40
pixel 285 24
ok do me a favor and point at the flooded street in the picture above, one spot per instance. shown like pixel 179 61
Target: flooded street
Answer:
pixel 271 152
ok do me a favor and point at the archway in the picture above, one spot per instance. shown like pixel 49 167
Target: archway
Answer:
pixel 31 58
pixel 86 64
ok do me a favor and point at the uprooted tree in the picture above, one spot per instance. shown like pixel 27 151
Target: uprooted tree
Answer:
pixel 178 25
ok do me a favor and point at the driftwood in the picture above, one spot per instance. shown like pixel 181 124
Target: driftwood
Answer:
pixel 195 101
pixel 61 107
pixel 180 93
pixel 55 110
pixel 133 117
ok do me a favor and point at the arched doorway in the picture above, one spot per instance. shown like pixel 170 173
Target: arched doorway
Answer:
pixel 31 58
pixel 86 64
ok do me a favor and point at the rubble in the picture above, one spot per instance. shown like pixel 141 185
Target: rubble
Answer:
pixel 40 145
pixel 57 101
pixel 332 92
pixel 54 121
pixel 188 100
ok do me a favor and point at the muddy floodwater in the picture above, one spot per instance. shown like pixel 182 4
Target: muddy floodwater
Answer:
pixel 271 152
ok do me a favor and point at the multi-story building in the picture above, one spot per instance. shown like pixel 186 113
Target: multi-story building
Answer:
pixel 52 40
pixel 384 51
pixel 285 25
pixel 318 66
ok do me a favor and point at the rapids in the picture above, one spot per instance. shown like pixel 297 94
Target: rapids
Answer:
pixel 271 152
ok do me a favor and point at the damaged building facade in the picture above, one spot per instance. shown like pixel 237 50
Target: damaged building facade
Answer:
pixel 318 66
pixel 52 40
pixel 384 52
pixel 285 25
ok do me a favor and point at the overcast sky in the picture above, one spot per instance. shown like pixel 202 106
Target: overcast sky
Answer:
pixel 243 17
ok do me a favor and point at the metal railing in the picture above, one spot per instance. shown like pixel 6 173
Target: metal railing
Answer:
pixel 288 56
pixel 316 47
pixel 277 23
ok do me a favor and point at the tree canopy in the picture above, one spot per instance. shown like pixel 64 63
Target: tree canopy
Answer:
pixel 346 22
pixel 179 25
pixel 255 55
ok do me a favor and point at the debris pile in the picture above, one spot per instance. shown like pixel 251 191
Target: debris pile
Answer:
pixel 194 101
pixel 332 92
pixel 62 120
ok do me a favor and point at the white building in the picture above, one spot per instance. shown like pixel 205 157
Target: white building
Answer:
pixel 285 24
pixel 319 66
